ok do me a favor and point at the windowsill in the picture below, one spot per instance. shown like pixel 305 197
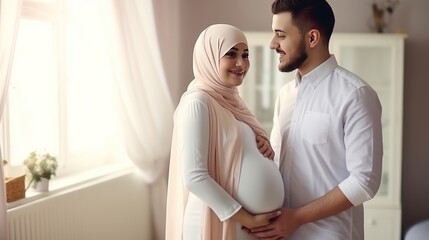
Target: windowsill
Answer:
pixel 66 184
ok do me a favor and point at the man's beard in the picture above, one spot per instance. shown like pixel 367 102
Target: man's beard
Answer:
pixel 296 62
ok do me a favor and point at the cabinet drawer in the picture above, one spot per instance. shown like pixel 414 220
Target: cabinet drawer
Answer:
pixel 382 224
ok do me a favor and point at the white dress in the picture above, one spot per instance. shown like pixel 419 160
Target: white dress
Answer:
pixel 260 188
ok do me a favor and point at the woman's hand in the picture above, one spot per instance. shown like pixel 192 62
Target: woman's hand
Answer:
pixel 264 147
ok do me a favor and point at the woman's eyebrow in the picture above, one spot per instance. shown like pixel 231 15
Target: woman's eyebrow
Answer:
pixel 236 49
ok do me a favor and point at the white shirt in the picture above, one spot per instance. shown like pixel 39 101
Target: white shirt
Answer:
pixel 327 132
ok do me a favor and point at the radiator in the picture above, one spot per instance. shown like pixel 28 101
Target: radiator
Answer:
pixel 109 208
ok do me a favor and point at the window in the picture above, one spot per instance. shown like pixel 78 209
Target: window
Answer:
pixel 61 88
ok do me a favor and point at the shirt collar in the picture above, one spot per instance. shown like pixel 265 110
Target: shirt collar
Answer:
pixel 317 75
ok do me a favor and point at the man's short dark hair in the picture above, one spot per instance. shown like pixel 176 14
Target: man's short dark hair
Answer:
pixel 308 14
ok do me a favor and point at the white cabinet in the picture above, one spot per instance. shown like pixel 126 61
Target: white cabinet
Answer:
pixel 382 223
pixel 378 59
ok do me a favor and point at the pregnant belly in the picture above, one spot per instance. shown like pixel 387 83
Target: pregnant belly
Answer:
pixel 260 188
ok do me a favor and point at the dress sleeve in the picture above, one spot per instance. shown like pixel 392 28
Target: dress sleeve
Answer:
pixel 194 137
pixel 364 146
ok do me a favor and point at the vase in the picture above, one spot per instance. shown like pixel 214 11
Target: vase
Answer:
pixel 379 21
pixel 42 185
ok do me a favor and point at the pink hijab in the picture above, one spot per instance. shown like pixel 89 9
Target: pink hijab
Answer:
pixel 225 107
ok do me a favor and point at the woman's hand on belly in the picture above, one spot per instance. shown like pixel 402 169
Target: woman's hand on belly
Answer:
pixel 251 221
pixel 264 147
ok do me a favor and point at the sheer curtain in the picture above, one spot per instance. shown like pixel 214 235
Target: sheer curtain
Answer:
pixel 9 19
pixel 145 106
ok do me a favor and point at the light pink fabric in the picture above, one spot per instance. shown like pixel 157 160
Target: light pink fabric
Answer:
pixel 224 159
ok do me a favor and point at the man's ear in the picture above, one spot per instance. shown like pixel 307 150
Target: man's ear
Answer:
pixel 313 38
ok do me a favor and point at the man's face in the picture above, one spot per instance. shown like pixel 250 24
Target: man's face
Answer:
pixel 288 42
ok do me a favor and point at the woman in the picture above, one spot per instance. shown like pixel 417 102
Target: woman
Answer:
pixel 219 178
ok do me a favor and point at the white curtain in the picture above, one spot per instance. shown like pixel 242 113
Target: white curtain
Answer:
pixel 145 105
pixel 9 20
pixel 143 102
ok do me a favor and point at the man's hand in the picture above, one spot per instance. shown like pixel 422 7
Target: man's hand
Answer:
pixel 282 226
pixel 250 221
pixel 264 147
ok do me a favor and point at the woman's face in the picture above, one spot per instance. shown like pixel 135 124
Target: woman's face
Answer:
pixel 234 65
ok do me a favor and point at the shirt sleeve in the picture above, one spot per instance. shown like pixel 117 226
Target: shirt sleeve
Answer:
pixel 364 147
pixel 194 137
pixel 283 111
pixel 275 135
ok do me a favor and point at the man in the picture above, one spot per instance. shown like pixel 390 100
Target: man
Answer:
pixel 327 132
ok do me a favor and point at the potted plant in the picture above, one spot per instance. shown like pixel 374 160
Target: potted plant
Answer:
pixel 40 168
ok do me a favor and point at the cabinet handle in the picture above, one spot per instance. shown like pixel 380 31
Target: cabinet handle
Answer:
pixel 373 222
